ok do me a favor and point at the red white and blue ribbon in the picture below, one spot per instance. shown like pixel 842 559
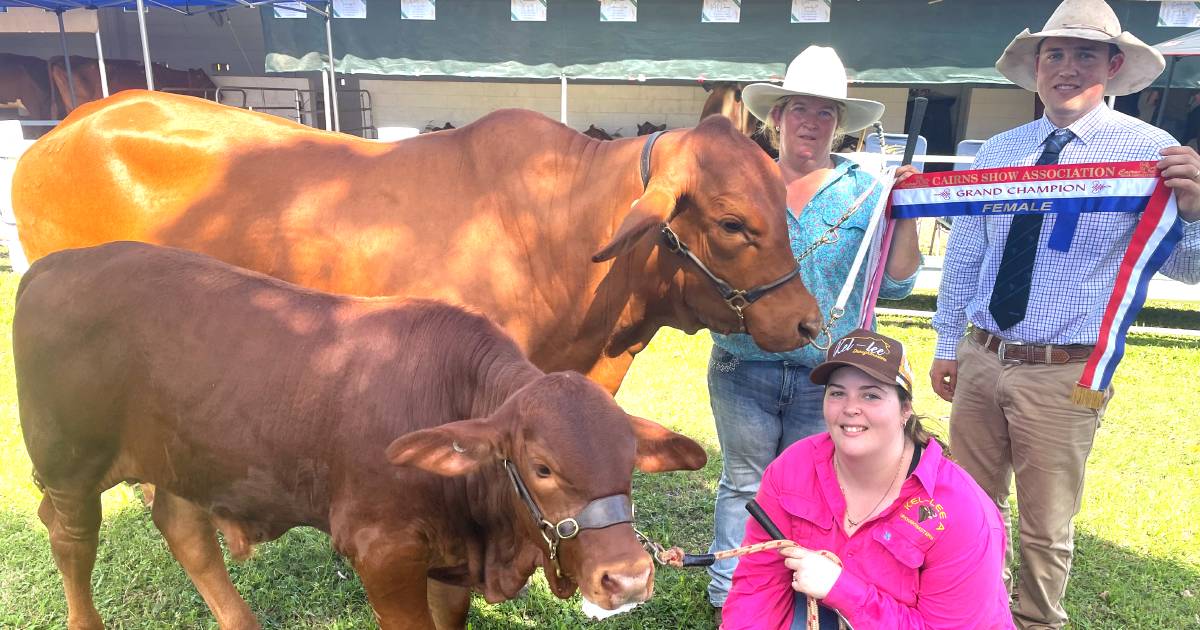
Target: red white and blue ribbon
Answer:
pixel 1066 190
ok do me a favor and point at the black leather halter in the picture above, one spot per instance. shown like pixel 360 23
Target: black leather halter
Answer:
pixel 736 299
pixel 597 514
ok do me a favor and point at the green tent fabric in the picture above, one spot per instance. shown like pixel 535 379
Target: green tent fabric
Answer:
pixel 880 41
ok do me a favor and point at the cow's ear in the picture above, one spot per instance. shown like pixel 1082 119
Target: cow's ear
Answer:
pixel 660 450
pixel 647 213
pixel 456 448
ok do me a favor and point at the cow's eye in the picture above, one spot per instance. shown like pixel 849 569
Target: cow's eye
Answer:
pixel 542 470
pixel 733 226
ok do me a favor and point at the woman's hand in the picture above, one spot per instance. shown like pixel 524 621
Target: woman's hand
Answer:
pixel 904 172
pixel 812 573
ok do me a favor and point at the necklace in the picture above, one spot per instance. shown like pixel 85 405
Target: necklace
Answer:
pixel 899 470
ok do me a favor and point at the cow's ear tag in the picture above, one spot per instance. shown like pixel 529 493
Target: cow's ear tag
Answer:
pixel 457 447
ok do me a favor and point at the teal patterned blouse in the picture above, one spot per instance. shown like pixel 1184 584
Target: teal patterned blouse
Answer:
pixel 824 270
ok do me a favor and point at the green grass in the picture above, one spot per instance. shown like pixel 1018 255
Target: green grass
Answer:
pixel 1137 562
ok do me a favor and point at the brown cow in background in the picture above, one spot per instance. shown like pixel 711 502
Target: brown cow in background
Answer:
pixel 514 214
pixel 25 84
pixel 123 74
pixel 725 99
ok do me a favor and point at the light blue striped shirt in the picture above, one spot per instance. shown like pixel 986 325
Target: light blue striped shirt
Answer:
pixel 1070 289
pixel 824 271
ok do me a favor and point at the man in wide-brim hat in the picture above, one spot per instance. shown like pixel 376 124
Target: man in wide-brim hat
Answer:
pixel 1022 297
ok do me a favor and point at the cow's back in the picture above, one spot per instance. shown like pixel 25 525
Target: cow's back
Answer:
pixel 118 169
pixel 326 211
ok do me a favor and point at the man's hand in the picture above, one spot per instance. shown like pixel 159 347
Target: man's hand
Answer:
pixel 904 172
pixel 1180 167
pixel 812 573
pixel 943 376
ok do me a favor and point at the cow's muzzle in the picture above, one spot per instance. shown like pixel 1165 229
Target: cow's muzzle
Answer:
pixel 597 514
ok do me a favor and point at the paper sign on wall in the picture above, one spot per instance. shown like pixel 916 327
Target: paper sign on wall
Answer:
pixel 1173 13
pixel 618 10
pixel 290 10
pixel 350 9
pixel 418 10
pixel 528 10
pixel 810 11
pixel 727 11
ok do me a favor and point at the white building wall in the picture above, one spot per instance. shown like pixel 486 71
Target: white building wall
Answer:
pixel 894 99
pixel 615 108
pixel 993 110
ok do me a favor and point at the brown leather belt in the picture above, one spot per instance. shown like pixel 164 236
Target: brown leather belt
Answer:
pixel 1015 352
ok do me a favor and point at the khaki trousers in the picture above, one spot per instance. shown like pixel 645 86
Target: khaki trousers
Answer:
pixel 1019 420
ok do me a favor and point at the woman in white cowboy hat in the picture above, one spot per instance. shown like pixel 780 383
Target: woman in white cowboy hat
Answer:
pixel 1022 297
pixel 763 402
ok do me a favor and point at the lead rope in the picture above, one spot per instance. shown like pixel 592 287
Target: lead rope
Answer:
pixel 830 236
pixel 675 557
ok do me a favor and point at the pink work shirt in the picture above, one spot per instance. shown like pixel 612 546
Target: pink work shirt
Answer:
pixel 932 559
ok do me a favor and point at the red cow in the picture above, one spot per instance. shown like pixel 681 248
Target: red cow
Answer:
pixel 256 406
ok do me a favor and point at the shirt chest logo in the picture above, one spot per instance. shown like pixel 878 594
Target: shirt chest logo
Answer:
pixel 925 515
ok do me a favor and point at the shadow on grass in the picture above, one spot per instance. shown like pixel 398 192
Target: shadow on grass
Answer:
pixel 294 582
pixel 1113 587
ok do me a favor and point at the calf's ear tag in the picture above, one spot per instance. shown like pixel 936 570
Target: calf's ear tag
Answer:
pixel 457 448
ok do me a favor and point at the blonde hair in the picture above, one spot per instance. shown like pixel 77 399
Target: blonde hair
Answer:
pixel 772 131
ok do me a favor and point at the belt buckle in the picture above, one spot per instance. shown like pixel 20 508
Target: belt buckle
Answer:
pixel 1002 352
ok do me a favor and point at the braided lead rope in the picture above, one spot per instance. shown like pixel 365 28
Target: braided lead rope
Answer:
pixel 674 557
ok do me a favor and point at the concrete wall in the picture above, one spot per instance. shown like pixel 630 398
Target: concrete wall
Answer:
pixel 614 108
pixel 993 110
pixel 894 99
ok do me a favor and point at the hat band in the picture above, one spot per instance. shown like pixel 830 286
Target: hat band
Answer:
pixel 1084 27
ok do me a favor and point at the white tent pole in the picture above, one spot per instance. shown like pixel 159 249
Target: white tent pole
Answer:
pixel 141 11
pixel 100 58
pixel 332 103
pixel 562 99
pixel 325 93
pixel 62 35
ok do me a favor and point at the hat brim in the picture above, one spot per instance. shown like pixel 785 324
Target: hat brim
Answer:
pixel 1143 63
pixel 760 98
pixel 820 374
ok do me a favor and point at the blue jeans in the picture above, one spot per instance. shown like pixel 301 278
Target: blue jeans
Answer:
pixel 760 408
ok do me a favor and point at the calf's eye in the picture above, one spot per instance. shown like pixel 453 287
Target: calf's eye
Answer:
pixel 541 470
pixel 733 226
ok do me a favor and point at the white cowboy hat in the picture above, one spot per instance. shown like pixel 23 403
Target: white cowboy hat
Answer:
pixel 815 72
pixel 1084 19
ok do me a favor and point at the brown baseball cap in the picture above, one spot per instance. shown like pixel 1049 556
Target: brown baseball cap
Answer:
pixel 881 357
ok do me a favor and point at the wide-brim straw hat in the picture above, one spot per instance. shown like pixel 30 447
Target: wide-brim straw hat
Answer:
pixel 818 71
pixel 1084 19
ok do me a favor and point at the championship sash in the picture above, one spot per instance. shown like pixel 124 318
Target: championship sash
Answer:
pixel 1067 190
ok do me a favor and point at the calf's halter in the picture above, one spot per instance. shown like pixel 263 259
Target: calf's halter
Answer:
pixel 736 299
pixel 597 514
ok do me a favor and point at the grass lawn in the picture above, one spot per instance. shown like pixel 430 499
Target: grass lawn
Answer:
pixel 1137 562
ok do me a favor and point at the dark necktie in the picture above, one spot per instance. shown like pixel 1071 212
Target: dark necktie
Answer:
pixel 1010 295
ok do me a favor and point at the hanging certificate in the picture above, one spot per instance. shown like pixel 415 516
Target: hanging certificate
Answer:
pixel 418 10
pixel 618 10
pixel 352 9
pixel 528 10
pixel 1184 14
pixel 810 11
pixel 290 10
pixel 728 11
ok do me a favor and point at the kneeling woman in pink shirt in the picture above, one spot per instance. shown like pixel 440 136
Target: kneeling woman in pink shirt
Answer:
pixel 920 544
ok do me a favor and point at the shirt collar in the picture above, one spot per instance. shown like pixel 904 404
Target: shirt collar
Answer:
pixel 926 472
pixel 1085 129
